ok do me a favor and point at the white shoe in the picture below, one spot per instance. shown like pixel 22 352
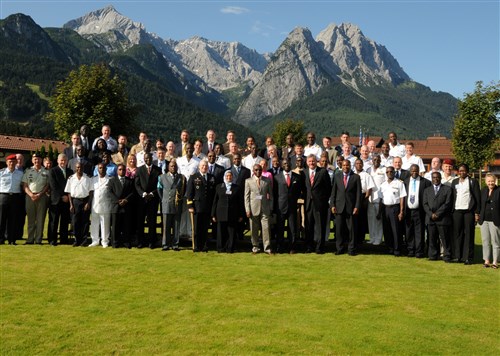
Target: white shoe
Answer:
pixel 255 250
pixel 94 244
pixel 104 246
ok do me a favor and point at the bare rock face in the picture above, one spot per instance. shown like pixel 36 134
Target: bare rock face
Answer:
pixel 222 65
pixel 361 60
pixel 299 68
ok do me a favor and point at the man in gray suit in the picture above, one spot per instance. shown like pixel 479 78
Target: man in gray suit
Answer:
pixel 258 207
pixel 171 189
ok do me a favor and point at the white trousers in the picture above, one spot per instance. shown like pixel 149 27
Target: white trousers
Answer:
pixel 101 221
pixel 490 236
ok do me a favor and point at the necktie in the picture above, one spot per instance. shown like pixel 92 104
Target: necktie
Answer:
pixel 238 169
pixel 149 170
pixel 397 174
pixel 436 189
pixel 287 179
pixel 311 178
pixel 122 180
pixel 205 177
pixel 210 148
pixel 183 149
pixel 413 189
pixel 258 182
pixel 211 169
pixel 345 180
pixel 63 172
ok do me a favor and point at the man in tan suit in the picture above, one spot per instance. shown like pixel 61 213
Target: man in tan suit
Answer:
pixel 258 207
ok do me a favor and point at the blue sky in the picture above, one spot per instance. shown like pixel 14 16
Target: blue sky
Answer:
pixel 446 45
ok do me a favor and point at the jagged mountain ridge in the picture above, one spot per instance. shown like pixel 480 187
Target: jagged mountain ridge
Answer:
pixel 217 65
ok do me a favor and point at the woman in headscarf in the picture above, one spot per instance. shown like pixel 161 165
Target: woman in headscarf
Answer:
pixel 227 211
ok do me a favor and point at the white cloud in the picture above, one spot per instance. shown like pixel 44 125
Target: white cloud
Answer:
pixel 261 28
pixel 235 10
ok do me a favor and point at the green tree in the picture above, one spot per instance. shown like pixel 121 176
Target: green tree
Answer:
pixel 91 95
pixel 288 126
pixel 475 136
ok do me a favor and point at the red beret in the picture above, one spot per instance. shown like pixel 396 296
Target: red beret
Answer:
pixel 448 161
pixel 11 157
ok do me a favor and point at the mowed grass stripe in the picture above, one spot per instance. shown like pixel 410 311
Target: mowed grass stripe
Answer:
pixel 68 300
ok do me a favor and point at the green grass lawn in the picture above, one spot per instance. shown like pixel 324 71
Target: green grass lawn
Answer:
pixel 68 300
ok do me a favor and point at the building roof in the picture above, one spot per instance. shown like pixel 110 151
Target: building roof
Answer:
pixel 29 144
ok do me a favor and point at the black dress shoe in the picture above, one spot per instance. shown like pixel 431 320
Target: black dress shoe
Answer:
pixel 467 262
pixel 176 249
pixel 337 253
pixel 29 243
pixel 140 246
pixel 13 243
pixel 165 248
pixel 411 255
pixel 152 246
pixel 308 250
pixel 320 252
pixel 353 254
pixel 53 243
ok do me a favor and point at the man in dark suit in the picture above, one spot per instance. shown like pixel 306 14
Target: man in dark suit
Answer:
pixel 215 169
pixel 209 145
pixel 298 152
pixel 318 188
pixel 200 195
pixel 180 147
pixel 288 188
pixel 146 182
pixel 121 213
pixel 414 213
pixel 399 173
pixel 70 151
pixel 59 201
pixel 85 140
pixel 345 202
pixel 438 217
pixel 275 166
pixel 240 175
pixel 83 160
pixel 466 206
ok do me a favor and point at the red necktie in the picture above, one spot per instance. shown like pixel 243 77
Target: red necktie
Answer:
pixel 149 170
pixel 288 179
pixel 312 178
pixel 345 180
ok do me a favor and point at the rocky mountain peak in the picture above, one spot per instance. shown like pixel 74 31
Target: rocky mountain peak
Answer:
pixel 361 59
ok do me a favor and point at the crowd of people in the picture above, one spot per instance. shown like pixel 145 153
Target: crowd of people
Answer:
pixel 112 193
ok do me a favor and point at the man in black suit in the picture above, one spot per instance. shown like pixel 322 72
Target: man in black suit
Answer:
pixel 215 169
pixel 85 139
pixel 345 202
pixel 275 166
pixel 146 182
pixel 399 173
pixel 438 217
pixel 70 151
pixel 121 213
pixel 59 201
pixel 414 213
pixel 200 195
pixel 318 188
pixel 466 207
pixel 288 188
pixel 240 175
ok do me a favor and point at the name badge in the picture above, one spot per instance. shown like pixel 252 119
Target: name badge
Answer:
pixel 258 197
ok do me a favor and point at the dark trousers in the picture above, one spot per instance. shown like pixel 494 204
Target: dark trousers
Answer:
pixel 391 226
pixel 9 217
pixel 120 228
pixel 201 222
pixel 147 210
pixel 463 235
pixel 58 218
pixel 439 234
pixel 80 220
pixel 315 228
pixel 345 226
pixel 362 221
pixel 226 231
pixel 415 232
pixel 292 235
